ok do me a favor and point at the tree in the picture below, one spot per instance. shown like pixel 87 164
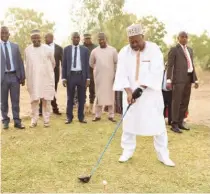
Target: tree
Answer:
pixel 22 22
pixel 108 16
pixel 201 48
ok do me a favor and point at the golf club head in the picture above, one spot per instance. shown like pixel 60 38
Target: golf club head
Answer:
pixel 84 179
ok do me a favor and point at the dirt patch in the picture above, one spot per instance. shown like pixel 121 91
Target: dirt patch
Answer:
pixel 199 109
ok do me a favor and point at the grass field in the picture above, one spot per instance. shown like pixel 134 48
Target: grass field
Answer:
pixel 51 159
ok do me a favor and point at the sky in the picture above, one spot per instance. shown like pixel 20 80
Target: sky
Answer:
pixel 192 16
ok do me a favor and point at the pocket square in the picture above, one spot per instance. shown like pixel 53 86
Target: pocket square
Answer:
pixel 145 60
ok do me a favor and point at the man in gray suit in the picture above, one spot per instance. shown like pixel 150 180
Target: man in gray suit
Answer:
pixel 180 76
pixel 12 75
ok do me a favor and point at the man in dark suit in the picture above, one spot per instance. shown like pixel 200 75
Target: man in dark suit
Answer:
pixel 75 73
pixel 12 75
pixel 88 43
pixel 180 76
pixel 58 54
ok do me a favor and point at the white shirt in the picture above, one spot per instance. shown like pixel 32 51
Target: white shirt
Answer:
pixel 185 50
pixel 10 55
pixel 78 60
pixel 52 46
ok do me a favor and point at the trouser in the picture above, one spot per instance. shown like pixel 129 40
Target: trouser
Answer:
pixel 98 111
pixel 76 81
pixel 128 143
pixel 167 97
pixel 180 100
pixel 53 102
pixel 45 110
pixel 11 85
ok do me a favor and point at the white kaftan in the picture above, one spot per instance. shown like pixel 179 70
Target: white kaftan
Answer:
pixel 145 116
pixel 40 79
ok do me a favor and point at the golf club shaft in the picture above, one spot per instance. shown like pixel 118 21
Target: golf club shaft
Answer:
pixel 110 139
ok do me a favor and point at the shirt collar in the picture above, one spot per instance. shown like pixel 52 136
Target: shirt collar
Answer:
pixel 2 42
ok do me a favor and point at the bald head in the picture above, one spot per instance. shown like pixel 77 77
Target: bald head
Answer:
pixel 183 38
pixel 5 33
pixel 49 38
pixel 75 37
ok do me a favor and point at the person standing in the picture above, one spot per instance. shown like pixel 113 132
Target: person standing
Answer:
pixel 58 53
pixel 75 73
pixel 103 60
pixel 88 43
pixel 140 73
pixel 40 64
pixel 12 75
pixel 180 76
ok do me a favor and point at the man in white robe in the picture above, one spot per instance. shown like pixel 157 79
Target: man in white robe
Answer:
pixel 140 66
pixel 40 64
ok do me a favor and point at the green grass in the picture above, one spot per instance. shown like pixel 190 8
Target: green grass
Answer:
pixel 51 159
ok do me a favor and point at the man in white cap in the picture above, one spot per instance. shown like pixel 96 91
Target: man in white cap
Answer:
pixel 140 70
pixel 40 64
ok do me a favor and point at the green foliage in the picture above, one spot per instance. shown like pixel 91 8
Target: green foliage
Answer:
pixel 25 20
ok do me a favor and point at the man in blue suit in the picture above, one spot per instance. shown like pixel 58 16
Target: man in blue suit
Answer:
pixel 75 73
pixel 12 75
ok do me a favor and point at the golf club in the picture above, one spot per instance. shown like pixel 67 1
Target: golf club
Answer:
pixel 86 179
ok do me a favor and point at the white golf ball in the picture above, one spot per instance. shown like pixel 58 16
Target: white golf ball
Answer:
pixel 104 182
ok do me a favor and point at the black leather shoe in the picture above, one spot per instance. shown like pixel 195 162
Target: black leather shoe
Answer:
pixel 112 120
pixel 19 126
pixel 5 125
pixel 96 119
pixel 183 127
pixel 83 121
pixel 57 113
pixel 68 121
pixel 176 129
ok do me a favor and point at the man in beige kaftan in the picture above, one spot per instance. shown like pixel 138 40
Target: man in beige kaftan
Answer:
pixel 140 66
pixel 40 64
pixel 103 60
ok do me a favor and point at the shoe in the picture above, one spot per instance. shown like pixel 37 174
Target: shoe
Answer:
pixel 175 129
pixel 40 114
pixel 167 162
pixel 5 125
pixel 19 126
pixel 68 121
pixel 112 120
pixel 184 127
pixel 96 119
pixel 33 125
pixel 124 158
pixel 83 121
pixel 57 112
pixel 46 124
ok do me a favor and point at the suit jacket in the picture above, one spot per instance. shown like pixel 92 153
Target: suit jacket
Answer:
pixel 177 65
pixel 17 60
pixel 67 62
pixel 58 54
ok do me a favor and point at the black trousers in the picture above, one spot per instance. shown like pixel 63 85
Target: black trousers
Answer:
pixel 75 81
pixel 53 102
pixel 167 97
pixel 180 100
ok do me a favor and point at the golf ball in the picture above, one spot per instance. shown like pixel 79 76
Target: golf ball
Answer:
pixel 104 182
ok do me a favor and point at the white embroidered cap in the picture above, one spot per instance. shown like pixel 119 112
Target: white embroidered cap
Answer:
pixel 134 29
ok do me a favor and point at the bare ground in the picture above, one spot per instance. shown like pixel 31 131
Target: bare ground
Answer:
pixel 199 105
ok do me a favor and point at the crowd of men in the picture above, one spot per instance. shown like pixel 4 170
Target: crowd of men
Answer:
pixel 134 76
pixel 84 66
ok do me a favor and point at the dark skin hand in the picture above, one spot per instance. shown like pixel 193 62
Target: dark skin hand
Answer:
pixel 22 82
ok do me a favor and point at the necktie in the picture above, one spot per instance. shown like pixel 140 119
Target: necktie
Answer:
pixel 188 60
pixel 137 65
pixel 75 57
pixel 7 57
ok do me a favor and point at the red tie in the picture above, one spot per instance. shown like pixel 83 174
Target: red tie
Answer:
pixel 185 53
